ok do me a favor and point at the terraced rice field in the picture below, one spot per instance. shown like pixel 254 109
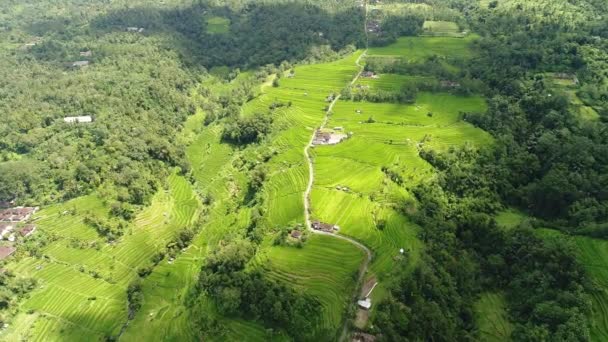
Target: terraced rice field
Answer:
pixel 416 49
pixel 167 288
pixel 442 29
pixel 325 268
pixel 82 288
pixel 492 320
pixel 391 141
pixel 594 255
pixel 391 82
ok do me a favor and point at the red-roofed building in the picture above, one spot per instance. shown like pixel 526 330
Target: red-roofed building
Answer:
pixel 28 230
pixel 6 251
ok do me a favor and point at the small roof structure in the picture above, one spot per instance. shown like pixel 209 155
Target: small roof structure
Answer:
pixel 6 251
pixel 17 214
pixel 87 53
pixel 78 119
pixel 363 337
pixel 365 304
pixel 80 64
pixel 296 234
pixel 28 230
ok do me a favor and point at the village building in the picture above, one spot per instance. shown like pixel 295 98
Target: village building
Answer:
pixel 78 119
pixel 328 138
pixel 18 214
pixel 324 227
pixel 450 84
pixel 369 74
pixel 6 251
pixel 566 77
pixel 363 337
pixel 80 64
pixel 373 26
pixel 296 234
pixel 330 98
pixel 6 229
pixel 365 304
pixel 87 53
pixel 7 204
pixel 135 29
pixel 27 230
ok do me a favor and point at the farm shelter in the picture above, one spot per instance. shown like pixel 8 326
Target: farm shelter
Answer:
pixel 78 119
pixel 6 251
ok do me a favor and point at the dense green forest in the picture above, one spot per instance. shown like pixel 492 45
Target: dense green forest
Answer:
pixel 183 210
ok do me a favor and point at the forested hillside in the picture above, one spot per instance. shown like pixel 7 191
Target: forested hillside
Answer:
pixel 303 170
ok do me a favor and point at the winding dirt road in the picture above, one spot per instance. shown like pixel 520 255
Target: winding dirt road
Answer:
pixel 307 201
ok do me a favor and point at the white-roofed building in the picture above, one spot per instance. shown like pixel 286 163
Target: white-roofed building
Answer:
pixel 78 119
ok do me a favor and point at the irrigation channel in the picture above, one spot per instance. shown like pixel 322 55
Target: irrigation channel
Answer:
pixel 307 201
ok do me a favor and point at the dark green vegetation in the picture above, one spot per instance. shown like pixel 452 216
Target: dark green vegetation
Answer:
pixel 479 125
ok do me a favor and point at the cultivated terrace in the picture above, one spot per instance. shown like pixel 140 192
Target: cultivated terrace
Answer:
pixel 304 170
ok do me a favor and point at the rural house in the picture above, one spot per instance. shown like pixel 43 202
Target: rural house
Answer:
pixel 363 337
pixel 369 74
pixel 365 304
pixel 324 227
pixel 78 119
pixel 5 229
pixel 27 230
pixel 87 53
pixel 80 64
pixel 6 251
pixel 296 234
pixel 450 84
pixel 18 214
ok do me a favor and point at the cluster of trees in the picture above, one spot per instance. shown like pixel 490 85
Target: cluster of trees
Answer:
pixel 12 289
pixel 395 26
pixel 546 160
pixel 135 90
pixel 467 253
pixel 259 33
pixel 246 130
pixel 241 292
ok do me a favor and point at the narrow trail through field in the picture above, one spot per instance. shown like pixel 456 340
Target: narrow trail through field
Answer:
pixel 307 200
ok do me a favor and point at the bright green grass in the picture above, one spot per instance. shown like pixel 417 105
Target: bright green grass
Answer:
pixel 419 48
pixel 392 82
pixel 492 318
pixel 218 25
pixel 325 268
pixel 442 28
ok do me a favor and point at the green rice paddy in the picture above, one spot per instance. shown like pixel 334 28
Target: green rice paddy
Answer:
pixel 82 285
pixel 83 289
pixel 419 48
pixel 442 29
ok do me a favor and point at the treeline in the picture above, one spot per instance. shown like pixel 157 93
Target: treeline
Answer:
pixel 548 161
pixel 467 253
pixel 258 33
